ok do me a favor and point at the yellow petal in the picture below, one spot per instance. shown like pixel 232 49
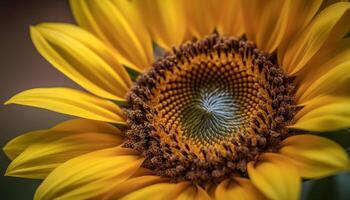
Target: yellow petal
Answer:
pixel 158 191
pixel 326 3
pixel 71 102
pixel 142 172
pixel 329 117
pixel 273 25
pixel 251 15
pixel 119 25
pixel 336 81
pixel 16 146
pixel 239 189
pixel 85 125
pixel 165 20
pixel 322 63
pixel 94 44
pixel 300 14
pixel 54 148
pixel 119 190
pixel 78 61
pixel 315 156
pixel 230 20
pixel 269 22
pixel 329 26
pixel 194 193
pixel 200 19
pixel 317 102
pixel 275 177
pixel 89 175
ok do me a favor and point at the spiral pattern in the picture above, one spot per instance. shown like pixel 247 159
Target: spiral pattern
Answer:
pixel 207 108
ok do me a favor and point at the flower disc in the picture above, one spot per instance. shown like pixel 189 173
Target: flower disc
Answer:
pixel 207 108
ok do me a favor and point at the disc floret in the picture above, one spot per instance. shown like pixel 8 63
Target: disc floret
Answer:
pixel 207 108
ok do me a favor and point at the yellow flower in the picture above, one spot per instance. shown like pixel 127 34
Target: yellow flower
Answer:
pixel 226 113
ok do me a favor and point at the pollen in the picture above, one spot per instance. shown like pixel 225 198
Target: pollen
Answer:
pixel 207 108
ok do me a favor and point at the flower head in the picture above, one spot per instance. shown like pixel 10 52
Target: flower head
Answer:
pixel 230 110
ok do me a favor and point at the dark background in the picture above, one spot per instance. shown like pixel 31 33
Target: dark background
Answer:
pixel 21 68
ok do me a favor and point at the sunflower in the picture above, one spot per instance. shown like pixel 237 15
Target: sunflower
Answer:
pixel 233 105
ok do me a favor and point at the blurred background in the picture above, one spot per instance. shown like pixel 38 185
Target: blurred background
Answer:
pixel 21 68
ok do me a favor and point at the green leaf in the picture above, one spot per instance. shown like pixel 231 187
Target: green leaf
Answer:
pixel 332 187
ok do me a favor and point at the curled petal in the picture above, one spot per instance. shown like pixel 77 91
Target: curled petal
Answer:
pixel 89 175
pixel 275 177
pixel 120 26
pixel 328 117
pixel 119 190
pixel 83 58
pixel 315 156
pixel 16 146
pixel 36 154
pixel 338 76
pixel 328 26
pixel 194 193
pixel 239 188
pixel 158 191
pixel 71 102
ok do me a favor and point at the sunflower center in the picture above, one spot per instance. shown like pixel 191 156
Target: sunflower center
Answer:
pixel 209 115
pixel 207 108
